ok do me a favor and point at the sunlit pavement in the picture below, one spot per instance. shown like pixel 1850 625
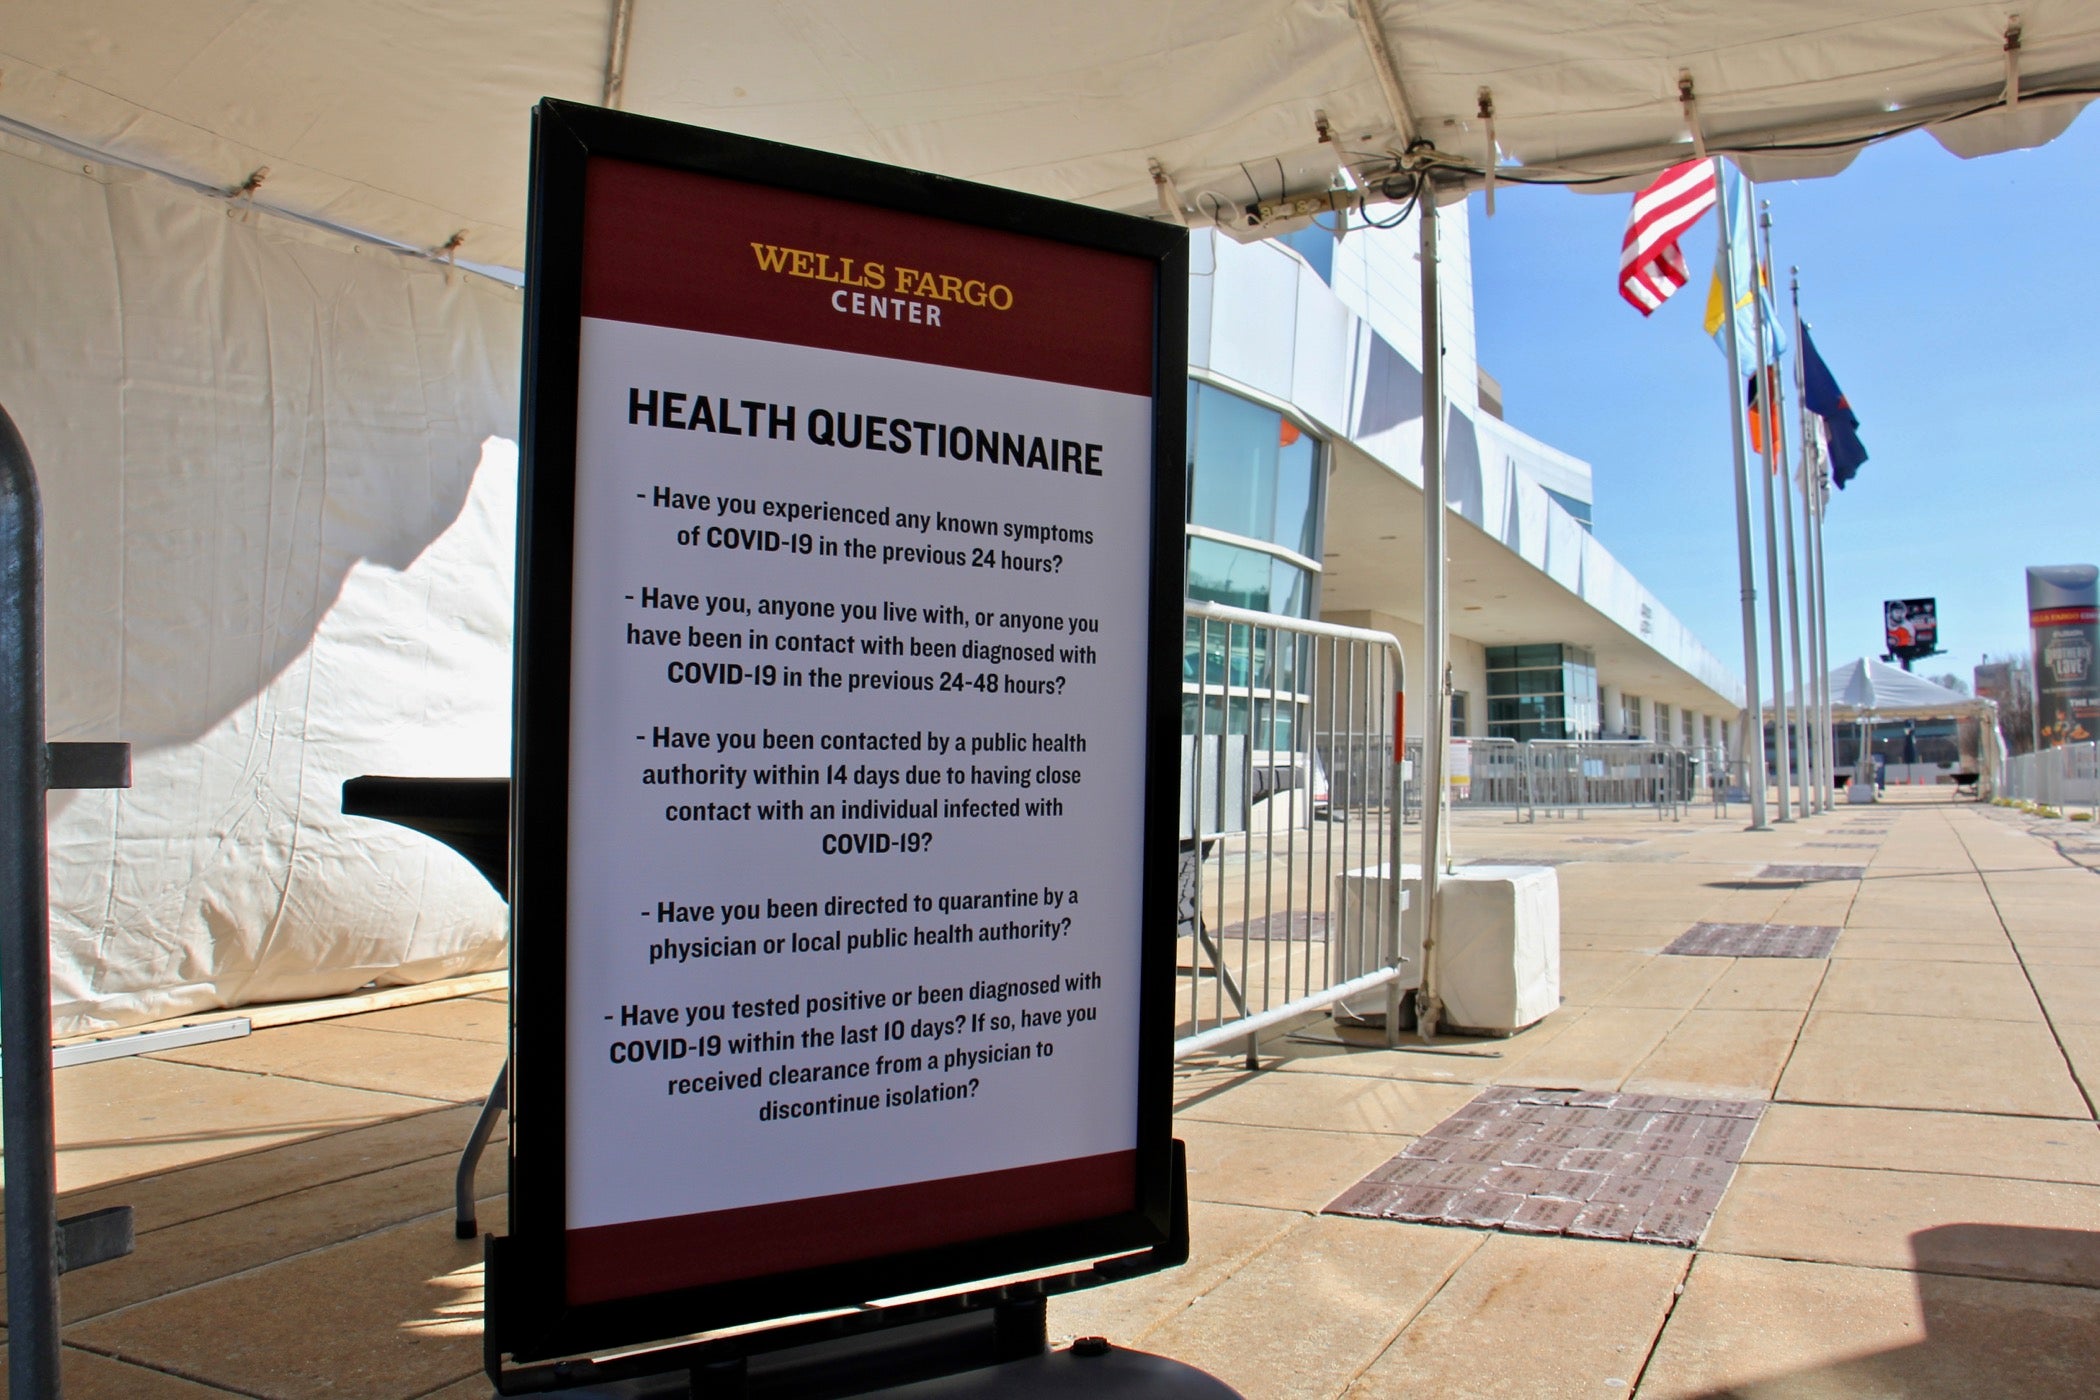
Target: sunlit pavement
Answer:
pixel 1916 1214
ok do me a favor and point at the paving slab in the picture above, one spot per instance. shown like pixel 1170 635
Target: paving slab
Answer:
pixel 2070 992
pixel 1911 987
pixel 1597 1051
pixel 1971 1144
pixel 482 1019
pixel 1451 1060
pixel 1666 984
pixel 1805 1331
pixel 1308 1314
pixel 1533 1317
pixel 88 1376
pixel 1765 984
pixel 2063 952
pixel 1329 1102
pixel 124 1118
pixel 1222 1239
pixel 1903 947
pixel 1723 1054
pixel 339 1052
pixel 230 1183
pixel 1281 1168
pixel 2040 1231
pixel 231 1242
pixel 2011 1067
pixel 1586 974
pixel 2081 1046
pixel 382 1317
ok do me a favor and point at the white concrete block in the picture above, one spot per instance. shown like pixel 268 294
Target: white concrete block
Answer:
pixel 1498 965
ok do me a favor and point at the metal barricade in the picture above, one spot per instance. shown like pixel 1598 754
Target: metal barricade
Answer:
pixel 1481 775
pixel 1576 774
pixel 2061 778
pixel 1288 788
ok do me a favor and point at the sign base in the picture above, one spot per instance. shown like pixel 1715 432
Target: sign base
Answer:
pixel 1089 1367
pixel 992 1342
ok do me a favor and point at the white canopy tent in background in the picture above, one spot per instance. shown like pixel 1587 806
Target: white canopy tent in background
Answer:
pixel 272 422
pixel 1867 691
pixel 1870 689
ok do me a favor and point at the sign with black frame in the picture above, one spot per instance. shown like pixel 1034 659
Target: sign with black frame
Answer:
pixel 847 693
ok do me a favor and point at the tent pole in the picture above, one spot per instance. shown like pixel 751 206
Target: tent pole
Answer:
pixel 614 89
pixel 1752 745
pixel 1782 749
pixel 1436 727
pixel 26 1117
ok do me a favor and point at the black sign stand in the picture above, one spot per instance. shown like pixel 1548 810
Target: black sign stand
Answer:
pixel 999 1333
pixel 724 1337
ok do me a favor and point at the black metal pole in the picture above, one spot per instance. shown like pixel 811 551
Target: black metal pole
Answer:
pixel 25 934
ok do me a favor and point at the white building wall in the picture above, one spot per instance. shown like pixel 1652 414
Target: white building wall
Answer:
pixel 1468 661
pixel 1347 358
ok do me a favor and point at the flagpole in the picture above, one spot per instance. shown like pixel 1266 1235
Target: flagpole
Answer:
pixel 1751 741
pixel 1781 758
pixel 1823 611
pixel 1818 745
pixel 1793 578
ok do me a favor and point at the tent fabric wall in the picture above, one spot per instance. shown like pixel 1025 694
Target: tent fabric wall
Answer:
pixel 278 490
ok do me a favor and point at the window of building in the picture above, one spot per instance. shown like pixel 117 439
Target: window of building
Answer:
pixel 1254 481
pixel 1316 246
pixel 1630 716
pixel 1579 509
pixel 1663 717
pixel 1544 690
pixel 1458 714
pixel 1253 473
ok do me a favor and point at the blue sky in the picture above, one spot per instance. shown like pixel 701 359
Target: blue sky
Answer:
pixel 1958 305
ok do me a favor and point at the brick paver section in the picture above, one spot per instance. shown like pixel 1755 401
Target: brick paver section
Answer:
pixel 1845 845
pixel 1707 940
pixel 1590 1165
pixel 1811 872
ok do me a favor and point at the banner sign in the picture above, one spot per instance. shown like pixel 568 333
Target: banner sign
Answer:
pixel 848 691
pixel 2063 613
pixel 1911 627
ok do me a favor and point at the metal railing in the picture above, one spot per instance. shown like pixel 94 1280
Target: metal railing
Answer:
pixel 2064 777
pixel 1482 774
pixel 1288 785
pixel 1574 774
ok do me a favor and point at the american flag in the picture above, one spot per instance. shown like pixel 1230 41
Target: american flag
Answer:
pixel 1651 266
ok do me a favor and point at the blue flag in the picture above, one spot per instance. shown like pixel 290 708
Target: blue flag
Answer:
pixel 1822 397
pixel 1736 195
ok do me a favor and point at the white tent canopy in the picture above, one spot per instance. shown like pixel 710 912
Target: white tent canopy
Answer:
pixel 1874 690
pixel 274 460
pixel 407 121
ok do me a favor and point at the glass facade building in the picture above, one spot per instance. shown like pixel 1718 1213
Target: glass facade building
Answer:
pixel 1253 540
pixel 1545 690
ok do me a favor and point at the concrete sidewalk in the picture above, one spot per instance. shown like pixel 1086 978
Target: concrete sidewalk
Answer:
pixel 1916 1214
